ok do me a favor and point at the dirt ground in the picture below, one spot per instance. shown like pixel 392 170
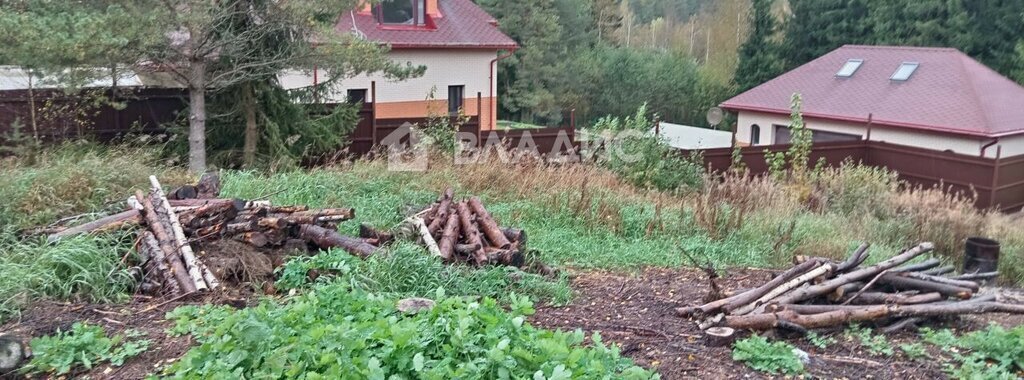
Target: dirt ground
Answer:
pixel 636 311
pixel 633 310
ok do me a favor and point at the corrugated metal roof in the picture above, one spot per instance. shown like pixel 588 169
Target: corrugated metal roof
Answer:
pixel 948 92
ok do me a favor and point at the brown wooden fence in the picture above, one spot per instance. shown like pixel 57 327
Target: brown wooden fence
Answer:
pixel 61 116
pixel 998 182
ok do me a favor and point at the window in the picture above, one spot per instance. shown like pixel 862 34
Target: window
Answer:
pixel 784 135
pixel 455 99
pixel 357 95
pixel 755 134
pixel 849 68
pixel 904 71
pixel 401 12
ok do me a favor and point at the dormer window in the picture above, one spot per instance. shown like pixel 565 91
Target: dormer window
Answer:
pixel 401 12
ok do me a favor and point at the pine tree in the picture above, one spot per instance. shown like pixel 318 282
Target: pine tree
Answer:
pixel 759 58
pixel 816 27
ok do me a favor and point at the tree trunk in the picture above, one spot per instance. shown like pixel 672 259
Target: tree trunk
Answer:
pixel 325 238
pixel 108 223
pixel 197 117
pixel 202 280
pixel 857 275
pixel 488 225
pixel 251 133
pixel 166 244
pixel 867 313
pixel 754 295
pixel 449 238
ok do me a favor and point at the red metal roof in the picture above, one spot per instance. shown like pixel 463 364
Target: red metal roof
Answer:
pixel 462 25
pixel 949 92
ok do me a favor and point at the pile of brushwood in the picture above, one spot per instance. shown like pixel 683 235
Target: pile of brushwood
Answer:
pixel 170 225
pixel 819 293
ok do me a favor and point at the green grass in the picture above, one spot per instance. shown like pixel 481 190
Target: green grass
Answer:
pixel 84 268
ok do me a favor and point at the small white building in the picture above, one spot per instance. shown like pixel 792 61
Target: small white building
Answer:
pixel 686 137
pixel 934 98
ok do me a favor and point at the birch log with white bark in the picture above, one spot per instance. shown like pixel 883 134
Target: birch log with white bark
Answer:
pixel 194 269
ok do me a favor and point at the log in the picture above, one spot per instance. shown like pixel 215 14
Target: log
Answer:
pixel 166 244
pixel 178 234
pixel 977 276
pixel 232 229
pixel 183 192
pixel 255 239
pixel 776 282
pixel 906 283
pixel 149 247
pixel 924 265
pixel 471 233
pixel 368 232
pixel 449 237
pixel 208 214
pixel 325 238
pixel 488 225
pixel 443 209
pixel 858 256
pixel 516 235
pixel 786 287
pixel 940 270
pixel 719 336
pixel 845 290
pixel 902 324
pixel 208 186
pixel 468 249
pixel 239 204
pixel 768 321
pixel 287 209
pixel 505 257
pixel 875 298
pixel 973 286
pixel 424 233
pixel 108 223
pixel 320 216
pixel 857 275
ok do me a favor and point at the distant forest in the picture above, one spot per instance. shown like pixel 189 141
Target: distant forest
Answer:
pixel 608 57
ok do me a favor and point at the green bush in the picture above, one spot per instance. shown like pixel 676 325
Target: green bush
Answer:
pixel 645 160
pixel 769 357
pixel 334 331
pixel 84 346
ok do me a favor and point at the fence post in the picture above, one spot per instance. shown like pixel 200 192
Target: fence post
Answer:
pixel 995 177
pixel 373 115
pixel 572 118
pixel 480 117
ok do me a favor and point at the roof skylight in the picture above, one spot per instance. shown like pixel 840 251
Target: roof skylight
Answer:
pixel 849 68
pixel 904 71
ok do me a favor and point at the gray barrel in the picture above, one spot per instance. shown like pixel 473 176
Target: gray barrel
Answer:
pixel 981 255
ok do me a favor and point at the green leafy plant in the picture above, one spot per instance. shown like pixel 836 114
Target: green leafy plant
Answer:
pixel 875 344
pixel 992 353
pixel 335 331
pixel 84 346
pixel 645 160
pixel 797 157
pixel 819 341
pixel 769 357
pixel 914 350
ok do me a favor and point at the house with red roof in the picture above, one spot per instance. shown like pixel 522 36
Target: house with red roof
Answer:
pixel 934 98
pixel 458 43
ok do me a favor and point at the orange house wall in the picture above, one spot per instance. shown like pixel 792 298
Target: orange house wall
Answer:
pixel 426 108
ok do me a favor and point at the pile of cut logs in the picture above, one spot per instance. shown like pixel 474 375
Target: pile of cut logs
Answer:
pixel 819 293
pixel 464 231
pixel 171 223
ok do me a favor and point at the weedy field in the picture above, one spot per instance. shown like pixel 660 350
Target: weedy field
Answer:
pixel 584 219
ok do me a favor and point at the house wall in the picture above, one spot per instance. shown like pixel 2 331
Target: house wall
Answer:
pixel 425 95
pixel 942 142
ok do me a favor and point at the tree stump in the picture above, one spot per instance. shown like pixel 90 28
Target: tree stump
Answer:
pixel 719 336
